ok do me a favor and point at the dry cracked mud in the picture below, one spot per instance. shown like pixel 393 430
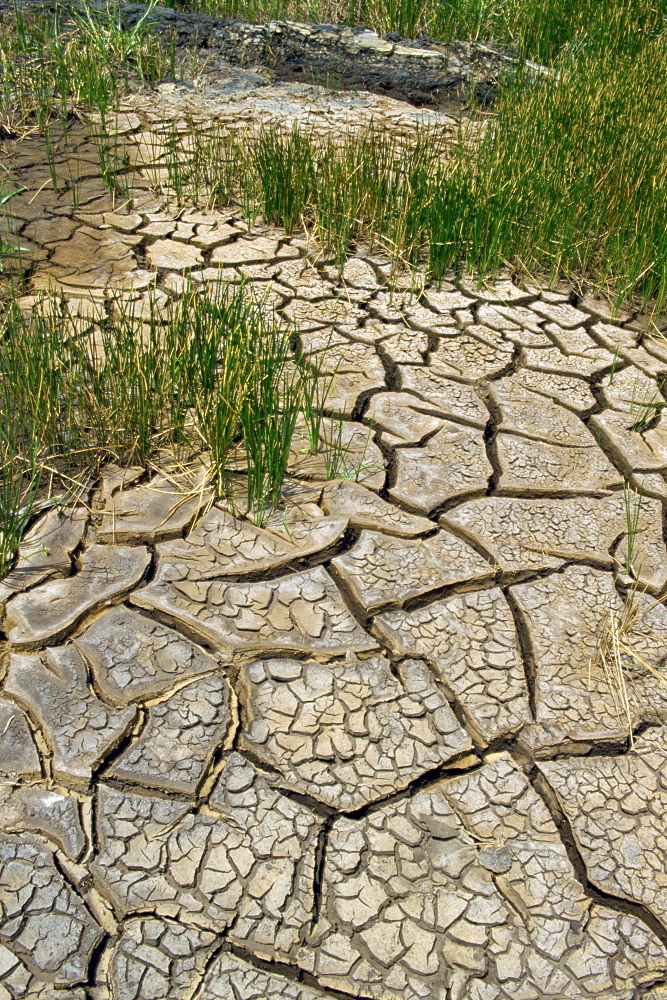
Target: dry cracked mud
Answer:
pixel 367 750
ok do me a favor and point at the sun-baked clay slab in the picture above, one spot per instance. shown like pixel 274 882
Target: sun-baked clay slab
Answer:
pixel 534 467
pixel 159 510
pixel 366 509
pixel 134 657
pixel 158 956
pixel 246 863
pixel 222 545
pixel 45 923
pixel 576 703
pixel 616 808
pixel 46 550
pixel 452 464
pixel 347 732
pixel 472 644
pixel 48 612
pixel 80 728
pixel 179 739
pixel 455 400
pixel 303 612
pixel 380 570
pixel 430 893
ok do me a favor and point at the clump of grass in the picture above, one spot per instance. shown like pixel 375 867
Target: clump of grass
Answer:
pixel 50 67
pixel 212 371
pixel 645 409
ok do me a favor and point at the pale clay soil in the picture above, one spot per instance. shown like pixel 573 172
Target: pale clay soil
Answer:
pixel 365 751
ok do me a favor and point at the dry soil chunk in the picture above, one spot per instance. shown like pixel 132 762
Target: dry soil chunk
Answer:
pixel 348 732
pixel 542 533
pixel 302 612
pixel 47 613
pixel 401 418
pixel 43 810
pixel 80 728
pixel 432 892
pixel 230 976
pixel 221 545
pixel 248 861
pixel 367 510
pixel 455 400
pixel 380 570
pixel 476 354
pixel 534 467
pixel 46 550
pixel 179 739
pixel 159 510
pixel 44 921
pixel 18 753
pixel 452 464
pixel 134 657
pixel 616 807
pixel 157 957
pixel 471 642
pixel 565 614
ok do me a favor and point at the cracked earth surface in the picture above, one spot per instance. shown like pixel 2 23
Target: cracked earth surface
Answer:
pixel 364 751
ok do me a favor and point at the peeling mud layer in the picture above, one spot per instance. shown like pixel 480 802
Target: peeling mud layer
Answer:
pixel 367 750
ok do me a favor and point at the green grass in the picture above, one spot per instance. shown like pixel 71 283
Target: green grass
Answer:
pixel 542 30
pixel 206 373
pixel 50 69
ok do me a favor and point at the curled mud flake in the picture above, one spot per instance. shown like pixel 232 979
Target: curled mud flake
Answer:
pixel 535 467
pixel 455 400
pixel 411 904
pixel 44 922
pixel 159 510
pixel 46 550
pixel 471 642
pixel 578 702
pixel 479 353
pixel 80 729
pixel 398 416
pixel 18 753
pixel 616 808
pixel 134 657
pixel 182 733
pixel 43 810
pixel 47 613
pixel 303 612
pixel 380 570
pixel 348 732
pixel 248 861
pixel 222 545
pixel 158 957
pixel 452 464
pixel 367 510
